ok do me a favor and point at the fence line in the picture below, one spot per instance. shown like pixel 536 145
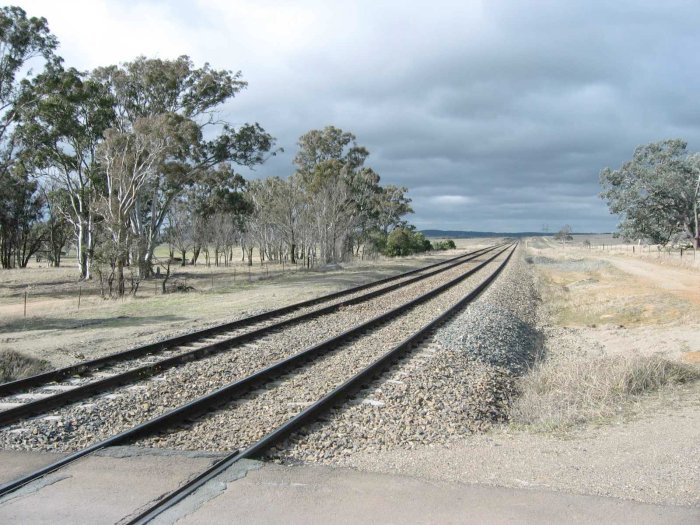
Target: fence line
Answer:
pixel 27 302
pixel 686 258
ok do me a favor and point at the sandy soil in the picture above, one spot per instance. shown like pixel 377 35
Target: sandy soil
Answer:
pixel 606 304
pixel 621 303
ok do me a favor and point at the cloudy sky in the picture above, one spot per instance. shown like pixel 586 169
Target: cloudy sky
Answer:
pixel 498 115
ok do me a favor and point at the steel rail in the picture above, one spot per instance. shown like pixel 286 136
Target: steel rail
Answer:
pixel 45 404
pixel 225 394
pixel 311 412
pixel 23 384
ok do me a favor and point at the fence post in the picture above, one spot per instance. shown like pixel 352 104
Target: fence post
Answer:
pixel 25 303
pixel 80 293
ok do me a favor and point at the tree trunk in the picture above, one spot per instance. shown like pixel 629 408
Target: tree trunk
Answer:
pixel 82 250
pixel 90 247
pixel 120 277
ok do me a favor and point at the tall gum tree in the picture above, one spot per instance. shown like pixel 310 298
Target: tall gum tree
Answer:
pixel 129 161
pixel 656 193
pixel 344 197
pixel 281 204
pixel 24 43
pixel 146 88
pixel 62 131
pixel 327 161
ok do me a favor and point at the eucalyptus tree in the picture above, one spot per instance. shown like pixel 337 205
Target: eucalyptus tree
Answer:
pixel 281 205
pixel 180 230
pixel 22 40
pixel 58 228
pixel 261 229
pixel 564 234
pixel 130 160
pixel 21 206
pixel 328 144
pixel 61 131
pixel 326 162
pixel 146 88
pixel 656 193
pixel 344 200
pixel 392 205
pixel 24 43
pixel 219 190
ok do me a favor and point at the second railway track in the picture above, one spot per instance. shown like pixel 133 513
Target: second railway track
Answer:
pixel 245 342
pixel 372 335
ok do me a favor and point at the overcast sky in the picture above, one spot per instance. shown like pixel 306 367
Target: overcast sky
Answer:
pixel 497 115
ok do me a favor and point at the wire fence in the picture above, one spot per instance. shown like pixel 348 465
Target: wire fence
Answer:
pixel 681 256
pixel 38 298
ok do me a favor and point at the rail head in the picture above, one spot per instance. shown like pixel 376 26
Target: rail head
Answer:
pixel 22 384
pixel 310 413
pixel 202 404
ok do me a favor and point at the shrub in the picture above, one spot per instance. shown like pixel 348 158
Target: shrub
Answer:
pixel 14 365
pixel 403 241
pixel 376 242
pixel 449 244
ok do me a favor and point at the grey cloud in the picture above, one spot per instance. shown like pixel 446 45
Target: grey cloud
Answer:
pixel 516 106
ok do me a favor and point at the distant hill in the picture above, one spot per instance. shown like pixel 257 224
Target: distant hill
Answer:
pixel 458 234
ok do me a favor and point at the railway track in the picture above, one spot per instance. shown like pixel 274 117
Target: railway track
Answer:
pixel 43 392
pixel 446 299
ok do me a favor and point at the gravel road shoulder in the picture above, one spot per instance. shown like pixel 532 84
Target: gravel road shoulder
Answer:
pixel 430 417
pixel 652 459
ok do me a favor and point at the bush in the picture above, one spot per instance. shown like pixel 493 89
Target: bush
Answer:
pixel 449 244
pixel 376 242
pixel 14 365
pixel 403 241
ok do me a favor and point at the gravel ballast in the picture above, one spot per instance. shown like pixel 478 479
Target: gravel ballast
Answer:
pixel 79 425
pixel 155 357
pixel 250 418
pixel 460 382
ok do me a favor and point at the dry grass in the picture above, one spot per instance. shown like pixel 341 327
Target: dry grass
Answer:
pixel 590 292
pixel 568 390
pixel 14 365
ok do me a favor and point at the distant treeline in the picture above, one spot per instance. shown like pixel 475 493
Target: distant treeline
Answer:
pixel 458 234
